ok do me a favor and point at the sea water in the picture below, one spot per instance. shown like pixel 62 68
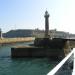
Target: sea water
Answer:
pixel 22 66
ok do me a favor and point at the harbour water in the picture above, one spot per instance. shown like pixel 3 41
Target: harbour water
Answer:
pixel 23 66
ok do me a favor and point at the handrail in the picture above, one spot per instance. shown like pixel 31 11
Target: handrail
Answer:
pixel 73 73
pixel 57 67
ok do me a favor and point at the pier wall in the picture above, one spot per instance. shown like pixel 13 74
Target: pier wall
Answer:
pixel 37 52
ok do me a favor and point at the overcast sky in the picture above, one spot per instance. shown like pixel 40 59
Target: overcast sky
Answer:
pixel 29 14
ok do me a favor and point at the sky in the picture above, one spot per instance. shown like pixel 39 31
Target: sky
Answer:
pixel 29 14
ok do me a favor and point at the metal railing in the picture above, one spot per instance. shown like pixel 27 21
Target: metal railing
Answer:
pixel 57 67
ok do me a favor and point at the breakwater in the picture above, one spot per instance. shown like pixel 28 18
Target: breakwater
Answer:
pixel 15 40
pixel 45 47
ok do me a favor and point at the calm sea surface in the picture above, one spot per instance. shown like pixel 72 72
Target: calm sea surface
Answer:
pixel 22 66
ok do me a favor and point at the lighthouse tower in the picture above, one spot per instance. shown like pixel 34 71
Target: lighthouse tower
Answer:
pixel 46 25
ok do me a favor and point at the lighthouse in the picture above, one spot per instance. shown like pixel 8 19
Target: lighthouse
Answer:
pixel 46 24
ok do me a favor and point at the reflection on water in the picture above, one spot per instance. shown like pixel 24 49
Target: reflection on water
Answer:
pixel 22 66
